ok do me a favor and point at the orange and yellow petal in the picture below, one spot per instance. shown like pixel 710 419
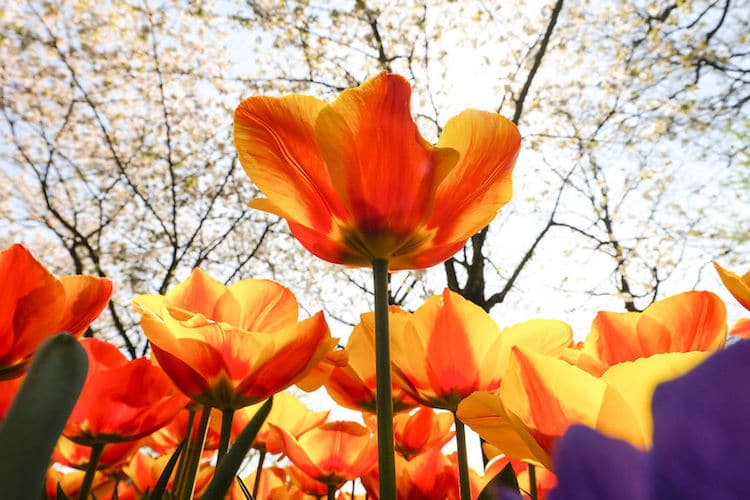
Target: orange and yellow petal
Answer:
pixel 741 328
pixel 738 286
pixel 486 414
pixel 85 299
pixel 689 321
pixel 276 144
pixel 448 349
pixel 636 381
pixel 382 169
pixel 257 305
pixel 481 182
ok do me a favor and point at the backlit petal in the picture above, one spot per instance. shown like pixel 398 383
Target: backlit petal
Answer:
pixel 636 380
pixel 31 304
pixel 470 196
pixel 85 298
pixel 275 140
pixel 257 305
pixel 738 286
pixel 486 414
pixel 384 172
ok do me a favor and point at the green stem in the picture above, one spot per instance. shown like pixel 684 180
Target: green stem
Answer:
pixel 332 492
pixel 532 482
pixel 179 475
pixel 384 401
pixel 88 479
pixel 193 459
pixel 258 471
pixel 463 463
pixel 226 432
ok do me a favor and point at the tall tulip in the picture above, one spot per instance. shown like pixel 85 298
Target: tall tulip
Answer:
pixel 36 305
pixel 359 186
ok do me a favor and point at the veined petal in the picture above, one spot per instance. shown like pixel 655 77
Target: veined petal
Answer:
pixel 481 182
pixel 551 337
pixel 296 350
pixel 613 338
pixel 738 286
pixel 257 305
pixel 689 321
pixel 486 414
pixel 384 172
pixel 276 144
pixel 85 298
pixel 549 394
pixel 31 304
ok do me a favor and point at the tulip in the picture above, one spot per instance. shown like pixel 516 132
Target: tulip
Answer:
pixel 356 181
pixel 229 347
pixel 354 384
pixel 332 453
pixel 359 186
pixel 421 430
pixel 121 400
pixel 738 286
pixel 690 321
pixel 542 396
pixel 36 305
pixel 699 448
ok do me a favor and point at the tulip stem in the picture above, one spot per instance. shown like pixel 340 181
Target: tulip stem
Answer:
pixel 88 479
pixel 384 401
pixel 532 482
pixel 226 432
pixel 258 471
pixel 331 491
pixel 463 463
pixel 193 459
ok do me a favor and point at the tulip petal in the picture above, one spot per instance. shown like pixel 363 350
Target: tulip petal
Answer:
pixel 635 381
pixel 470 196
pixel 486 414
pixel 276 144
pixel 85 299
pixel 31 304
pixel 257 306
pixel 551 337
pixel 382 169
pixel 591 466
pixel 700 429
pixel 738 286
pixel 613 338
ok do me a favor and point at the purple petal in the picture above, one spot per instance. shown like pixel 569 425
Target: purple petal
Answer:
pixel 702 430
pixel 591 466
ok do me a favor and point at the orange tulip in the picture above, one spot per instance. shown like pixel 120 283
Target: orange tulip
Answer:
pixel 273 485
pixel 542 396
pixel 421 430
pixel 70 483
pixel 545 479
pixel 690 321
pixel 738 286
pixel 332 453
pixel 287 412
pixel 230 347
pixel 356 181
pixel 121 400
pixel 36 305
pixel 353 385
pixel 450 348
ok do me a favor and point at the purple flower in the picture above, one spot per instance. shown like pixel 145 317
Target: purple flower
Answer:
pixel 701 445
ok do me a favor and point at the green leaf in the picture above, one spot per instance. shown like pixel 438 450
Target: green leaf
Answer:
pixel 227 468
pixel 505 479
pixel 38 415
pixel 161 485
